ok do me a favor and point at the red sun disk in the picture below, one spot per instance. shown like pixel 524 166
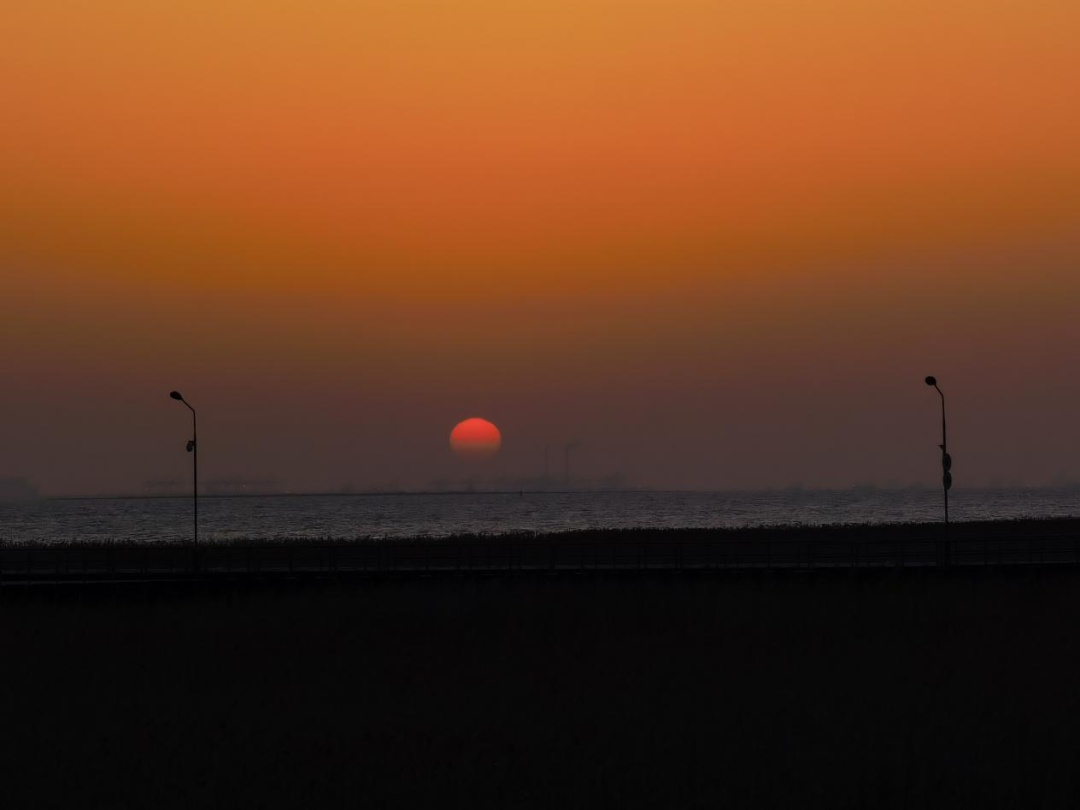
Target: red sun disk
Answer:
pixel 475 438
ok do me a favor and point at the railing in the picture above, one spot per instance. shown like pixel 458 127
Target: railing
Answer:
pixel 148 562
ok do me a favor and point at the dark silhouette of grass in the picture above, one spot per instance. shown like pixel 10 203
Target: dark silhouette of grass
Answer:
pixel 1050 542
pixel 875 689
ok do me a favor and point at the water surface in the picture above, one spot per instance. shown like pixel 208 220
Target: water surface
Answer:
pixel 438 515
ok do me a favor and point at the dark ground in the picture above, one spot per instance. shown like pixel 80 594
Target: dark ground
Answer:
pixel 845 689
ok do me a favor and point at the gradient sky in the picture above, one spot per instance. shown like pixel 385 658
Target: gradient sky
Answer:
pixel 719 244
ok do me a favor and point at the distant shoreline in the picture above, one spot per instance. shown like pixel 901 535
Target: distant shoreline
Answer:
pixel 395 494
pixel 517 492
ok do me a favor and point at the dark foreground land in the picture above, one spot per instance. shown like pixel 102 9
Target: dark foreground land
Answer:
pixel 783 548
pixel 881 688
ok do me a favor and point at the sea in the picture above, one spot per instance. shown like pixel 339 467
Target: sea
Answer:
pixel 398 516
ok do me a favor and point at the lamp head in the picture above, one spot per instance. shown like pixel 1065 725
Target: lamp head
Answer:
pixel 929 381
pixel 176 395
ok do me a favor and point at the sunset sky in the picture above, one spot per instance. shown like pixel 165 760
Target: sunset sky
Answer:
pixel 718 244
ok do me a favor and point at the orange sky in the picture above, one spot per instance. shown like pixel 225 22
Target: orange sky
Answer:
pixel 351 224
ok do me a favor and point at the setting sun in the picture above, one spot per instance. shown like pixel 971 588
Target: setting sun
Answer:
pixel 475 439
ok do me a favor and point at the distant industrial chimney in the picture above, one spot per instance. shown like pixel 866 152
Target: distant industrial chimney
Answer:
pixel 566 462
pixel 17 489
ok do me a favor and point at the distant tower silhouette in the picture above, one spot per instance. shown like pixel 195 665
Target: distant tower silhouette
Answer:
pixel 566 461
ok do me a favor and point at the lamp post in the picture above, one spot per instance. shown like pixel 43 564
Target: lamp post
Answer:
pixel 946 459
pixel 193 448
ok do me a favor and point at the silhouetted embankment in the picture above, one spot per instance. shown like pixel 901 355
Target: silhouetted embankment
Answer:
pixel 1034 542
pixel 886 688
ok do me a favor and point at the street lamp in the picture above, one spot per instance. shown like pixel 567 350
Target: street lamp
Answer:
pixel 193 448
pixel 946 459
